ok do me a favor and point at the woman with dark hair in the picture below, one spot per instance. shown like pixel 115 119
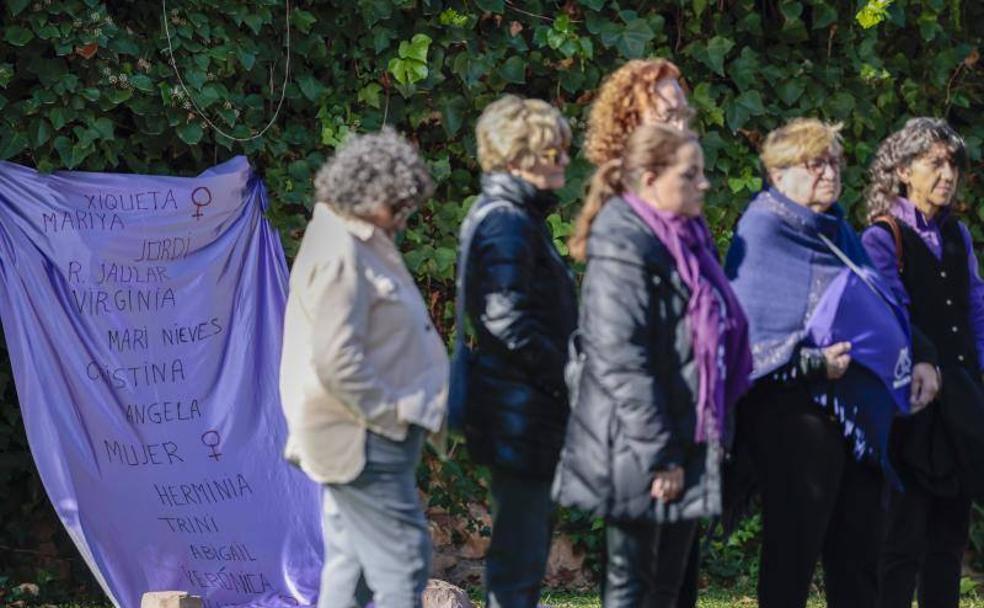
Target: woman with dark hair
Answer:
pixel 926 254
pixel 663 358
pixel 833 367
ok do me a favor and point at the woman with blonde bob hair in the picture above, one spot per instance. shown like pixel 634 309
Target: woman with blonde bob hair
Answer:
pixel 663 358
pixel 926 254
pixel 832 367
pixel 519 297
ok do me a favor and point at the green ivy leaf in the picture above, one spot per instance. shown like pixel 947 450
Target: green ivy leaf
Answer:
pixel 841 104
pixel 303 20
pixel 746 70
pixel 714 53
pixel 736 116
pixel 790 91
pixel 63 146
pixel 142 82
pixel 17 35
pixel 247 58
pixel 57 117
pixel 514 70
pixel 791 10
pixel 254 21
pixel 453 109
pixel 595 5
pixel 416 48
pixel 752 102
pixel 491 6
pixel 824 15
pixel 104 127
pixel 16 6
pixel 634 37
pixel 6 74
pixel 11 143
pixel 310 87
pixel 370 94
pixel 191 133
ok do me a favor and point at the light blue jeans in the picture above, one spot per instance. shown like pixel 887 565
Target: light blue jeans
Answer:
pixel 375 527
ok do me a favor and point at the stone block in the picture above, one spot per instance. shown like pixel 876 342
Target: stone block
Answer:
pixel 170 599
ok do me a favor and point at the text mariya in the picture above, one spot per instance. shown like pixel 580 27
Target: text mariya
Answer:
pixel 102 211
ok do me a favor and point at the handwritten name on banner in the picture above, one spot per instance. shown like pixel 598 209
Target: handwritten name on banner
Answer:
pixel 143 318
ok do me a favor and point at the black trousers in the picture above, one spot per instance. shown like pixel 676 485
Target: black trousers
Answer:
pixel 818 502
pixel 647 563
pixel 925 538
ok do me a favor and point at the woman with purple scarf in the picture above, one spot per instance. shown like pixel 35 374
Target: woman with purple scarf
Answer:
pixel 926 255
pixel 663 356
pixel 832 369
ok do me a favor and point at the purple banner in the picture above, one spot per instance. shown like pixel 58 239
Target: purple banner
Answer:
pixel 143 316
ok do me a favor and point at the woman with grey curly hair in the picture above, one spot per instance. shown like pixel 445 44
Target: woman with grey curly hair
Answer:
pixel 927 256
pixel 363 376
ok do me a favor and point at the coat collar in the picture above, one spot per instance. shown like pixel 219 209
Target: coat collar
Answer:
pixel 358 228
pixel 519 192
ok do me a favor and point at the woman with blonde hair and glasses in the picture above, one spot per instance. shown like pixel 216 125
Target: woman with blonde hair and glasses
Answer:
pixel 663 359
pixel 520 300
pixel 833 367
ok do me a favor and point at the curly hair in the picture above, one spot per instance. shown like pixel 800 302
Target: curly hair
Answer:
pixel 516 131
pixel 619 108
pixel 651 147
pixel 371 170
pixel 898 151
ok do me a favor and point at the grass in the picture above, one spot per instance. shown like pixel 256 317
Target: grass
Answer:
pixel 709 598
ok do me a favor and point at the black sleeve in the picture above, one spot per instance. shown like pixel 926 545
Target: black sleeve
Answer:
pixel 620 314
pixel 806 365
pixel 503 257
pixel 923 349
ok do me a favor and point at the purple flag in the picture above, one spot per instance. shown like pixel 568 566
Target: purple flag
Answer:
pixel 851 310
pixel 143 316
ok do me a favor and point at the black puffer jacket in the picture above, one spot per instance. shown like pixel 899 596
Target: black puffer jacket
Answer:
pixel 521 301
pixel 635 408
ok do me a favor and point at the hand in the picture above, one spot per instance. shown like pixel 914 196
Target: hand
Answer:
pixel 668 484
pixel 837 357
pixel 925 386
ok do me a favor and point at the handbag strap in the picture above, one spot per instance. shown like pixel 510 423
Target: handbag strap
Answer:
pixel 854 267
pixel 468 229
pixel 893 226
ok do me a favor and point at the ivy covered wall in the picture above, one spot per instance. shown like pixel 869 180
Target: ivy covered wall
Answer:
pixel 87 84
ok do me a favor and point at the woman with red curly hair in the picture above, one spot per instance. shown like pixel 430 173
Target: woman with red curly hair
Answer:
pixel 643 91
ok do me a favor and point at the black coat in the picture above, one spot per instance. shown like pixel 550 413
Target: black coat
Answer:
pixel 942 447
pixel 635 409
pixel 522 303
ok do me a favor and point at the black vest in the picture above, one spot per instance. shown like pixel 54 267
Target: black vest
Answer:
pixel 939 293
pixel 942 447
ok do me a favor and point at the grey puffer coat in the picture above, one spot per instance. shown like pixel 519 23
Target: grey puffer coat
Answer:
pixel 636 391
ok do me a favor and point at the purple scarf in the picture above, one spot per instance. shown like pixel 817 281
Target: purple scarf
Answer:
pixel 689 242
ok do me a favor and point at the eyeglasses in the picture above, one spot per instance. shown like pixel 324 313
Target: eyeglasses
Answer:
pixel 819 165
pixel 552 155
